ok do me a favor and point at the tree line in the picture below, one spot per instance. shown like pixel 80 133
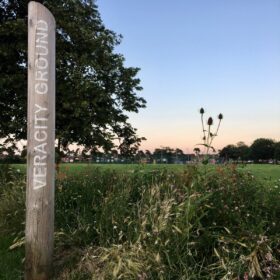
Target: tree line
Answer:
pixel 261 150
pixel 12 154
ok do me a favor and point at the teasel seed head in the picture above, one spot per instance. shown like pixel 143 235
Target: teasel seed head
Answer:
pixel 201 111
pixel 210 121
pixel 220 116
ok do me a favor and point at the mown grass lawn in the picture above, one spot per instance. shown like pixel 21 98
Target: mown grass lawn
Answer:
pixel 266 172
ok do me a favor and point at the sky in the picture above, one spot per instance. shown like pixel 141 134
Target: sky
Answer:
pixel 222 55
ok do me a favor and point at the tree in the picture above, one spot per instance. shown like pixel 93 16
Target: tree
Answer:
pixel 130 143
pixel 277 151
pixel 8 149
pixel 179 152
pixel 9 152
pixel 197 153
pixel 140 156
pixel 94 88
pixel 164 155
pixel 229 152
pixel 262 149
pixel 242 151
pixel 149 156
pixel 114 155
pixel 23 153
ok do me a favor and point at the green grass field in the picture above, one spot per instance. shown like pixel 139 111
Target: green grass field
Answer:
pixel 143 195
pixel 268 172
pixel 265 171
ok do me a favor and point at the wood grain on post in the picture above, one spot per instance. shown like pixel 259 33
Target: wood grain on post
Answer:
pixel 39 231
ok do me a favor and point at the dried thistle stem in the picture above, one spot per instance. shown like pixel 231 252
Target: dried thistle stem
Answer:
pixel 203 129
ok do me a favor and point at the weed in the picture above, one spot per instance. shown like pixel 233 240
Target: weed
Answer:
pixel 222 224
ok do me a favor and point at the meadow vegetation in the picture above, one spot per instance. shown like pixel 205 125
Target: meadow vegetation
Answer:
pixel 145 223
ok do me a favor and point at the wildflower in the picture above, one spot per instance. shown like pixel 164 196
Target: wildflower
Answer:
pixel 268 256
pixel 208 135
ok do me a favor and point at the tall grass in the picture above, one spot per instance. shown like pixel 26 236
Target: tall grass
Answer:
pixel 197 224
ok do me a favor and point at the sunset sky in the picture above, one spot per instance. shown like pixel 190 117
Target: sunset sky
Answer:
pixel 220 55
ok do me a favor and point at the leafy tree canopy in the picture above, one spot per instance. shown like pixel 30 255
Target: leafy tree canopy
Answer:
pixel 94 89
pixel 263 149
pixel 229 152
pixel 277 151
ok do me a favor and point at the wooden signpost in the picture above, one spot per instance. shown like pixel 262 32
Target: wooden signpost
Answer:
pixel 39 232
